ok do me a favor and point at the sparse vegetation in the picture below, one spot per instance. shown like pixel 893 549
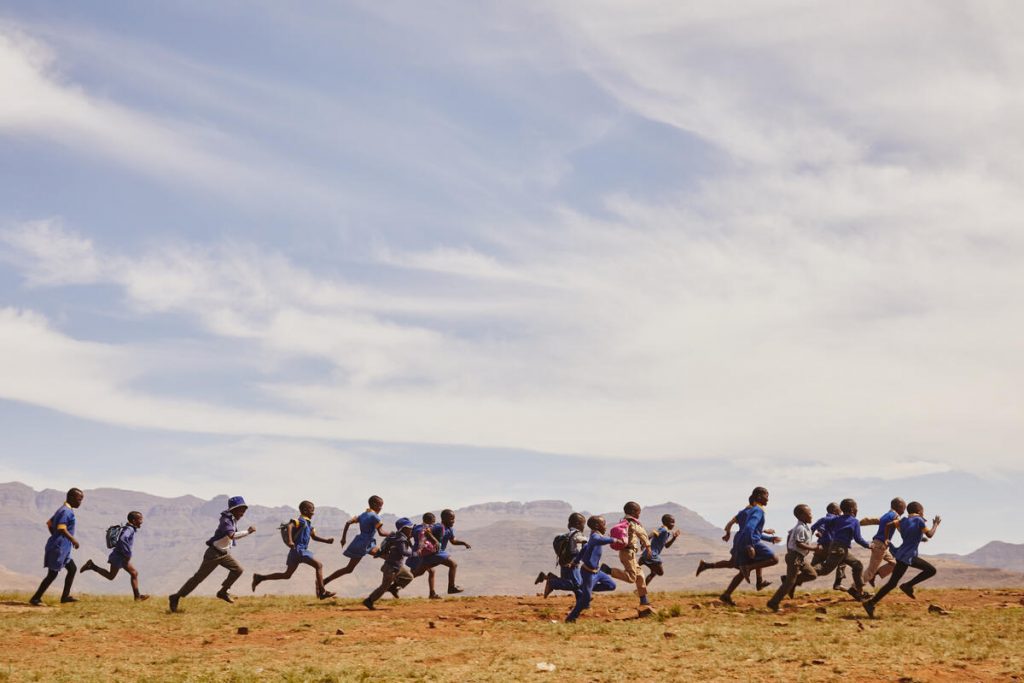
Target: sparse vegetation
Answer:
pixel 503 638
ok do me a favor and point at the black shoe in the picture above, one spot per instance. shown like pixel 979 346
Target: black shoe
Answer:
pixel 36 602
pixel 368 604
pixel 869 607
pixel 68 598
pixel 88 566
pixel 256 578
pixel 326 595
pixel 223 595
pixel 452 590
pixel 605 568
pixel 172 601
pixel 701 566
pixel 541 578
pixel 856 594
pixel 727 599
pixel 773 607
pixel 909 590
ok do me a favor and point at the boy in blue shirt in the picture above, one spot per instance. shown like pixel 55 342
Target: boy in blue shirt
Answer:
pixel 218 554
pixel 364 543
pixel 569 578
pixel 588 559
pixel 662 538
pixel 913 529
pixel 882 562
pixel 444 534
pixel 734 552
pixel 821 527
pixel 300 532
pixel 395 575
pixel 121 555
pixel 57 554
pixel 844 530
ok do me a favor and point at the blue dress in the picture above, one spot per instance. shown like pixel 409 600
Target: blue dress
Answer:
pixel 366 539
pixel 911 531
pixel 658 541
pixel 750 534
pixel 58 547
pixel 301 537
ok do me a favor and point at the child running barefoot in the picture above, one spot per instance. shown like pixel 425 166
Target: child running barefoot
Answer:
pixel 799 543
pixel 913 529
pixel 57 554
pixel 299 534
pixel 663 537
pixel 121 555
pixel 364 543
pixel 589 562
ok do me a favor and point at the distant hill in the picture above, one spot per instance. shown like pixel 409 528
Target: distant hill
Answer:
pixel 511 544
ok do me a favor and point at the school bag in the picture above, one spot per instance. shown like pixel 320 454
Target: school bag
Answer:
pixel 620 535
pixel 426 546
pixel 283 528
pixel 113 534
pixel 565 547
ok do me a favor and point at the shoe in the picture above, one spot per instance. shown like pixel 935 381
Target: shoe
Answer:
pixel 392 590
pixel 172 601
pixel 368 604
pixel 326 595
pixel 547 588
pixel 36 602
pixel 452 590
pixel 701 566
pixel 856 594
pixel 645 611
pixel 223 595
pixel 434 596
pixel 605 568
pixel 871 582
pixel 869 607
pixel 838 587
pixel 570 621
pixel 763 584
pixel 773 607
pixel 142 598
pixel 256 578
pixel 727 599
pixel 541 578
pixel 909 590
pixel 88 566
pixel 68 599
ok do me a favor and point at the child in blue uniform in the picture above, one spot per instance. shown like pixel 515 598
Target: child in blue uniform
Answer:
pixel 913 529
pixel 663 537
pixel 395 575
pixel 300 533
pixel 882 562
pixel 57 554
pixel 444 534
pixel 735 550
pixel 822 528
pixel 423 544
pixel 569 577
pixel 589 562
pixel 365 542
pixel 121 556
pixel 844 530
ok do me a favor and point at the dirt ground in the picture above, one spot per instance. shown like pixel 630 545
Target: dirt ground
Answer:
pixel 977 635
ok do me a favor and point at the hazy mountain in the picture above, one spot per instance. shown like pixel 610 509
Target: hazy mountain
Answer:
pixel 511 544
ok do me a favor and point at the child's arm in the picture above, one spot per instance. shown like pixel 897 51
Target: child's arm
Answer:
pixel 672 538
pixel 63 530
pixel 891 527
pixel 728 529
pixel 857 537
pixel 315 537
pixel 456 541
pixel 380 529
pixel 291 534
pixel 927 532
pixel 344 532
pixel 870 521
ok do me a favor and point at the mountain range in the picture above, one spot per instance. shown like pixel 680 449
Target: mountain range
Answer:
pixel 511 543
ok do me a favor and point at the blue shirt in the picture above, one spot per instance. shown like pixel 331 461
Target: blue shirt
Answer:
pixel 368 522
pixel 823 525
pixel 752 526
pixel 443 534
pixel 63 517
pixel 845 530
pixel 659 539
pixel 911 530
pixel 590 553
pixel 741 521
pixel 125 541
pixel 883 523
pixel 302 533
pixel 226 527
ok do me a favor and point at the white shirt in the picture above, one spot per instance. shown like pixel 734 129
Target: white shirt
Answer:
pixel 801 533
pixel 225 542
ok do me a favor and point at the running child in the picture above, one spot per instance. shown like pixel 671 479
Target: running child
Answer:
pixel 444 533
pixel 364 543
pixel 299 533
pixel 799 543
pixel 750 551
pixel 566 547
pixel 822 528
pixel 663 537
pixel 913 529
pixel 632 537
pixel 735 551
pixel 423 545
pixel 588 559
pixel 57 553
pixel 882 562
pixel 218 554
pixel 121 555
pixel 844 530
pixel 396 549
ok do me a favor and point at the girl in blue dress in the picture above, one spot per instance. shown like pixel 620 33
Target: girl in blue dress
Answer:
pixel 365 542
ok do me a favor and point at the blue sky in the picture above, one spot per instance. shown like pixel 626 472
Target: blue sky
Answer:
pixel 590 251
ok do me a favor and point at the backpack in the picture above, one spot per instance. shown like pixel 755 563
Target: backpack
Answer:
pixel 620 534
pixel 426 546
pixel 113 534
pixel 565 547
pixel 283 528
pixel 385 547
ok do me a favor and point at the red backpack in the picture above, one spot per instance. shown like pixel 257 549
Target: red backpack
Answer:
pixel 620 532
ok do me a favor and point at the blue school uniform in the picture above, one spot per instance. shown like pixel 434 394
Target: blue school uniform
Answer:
pixel 589 561
pixel 883 524
pixel 752 534
pixel 911 531
pixel 58 548
pixel 366 539
pixel 301 536
pixel 413 560
pixel 845 529
pixel 824 525
pixel 658 541
pixel 227 526
pixel 122 552
pixel 443 535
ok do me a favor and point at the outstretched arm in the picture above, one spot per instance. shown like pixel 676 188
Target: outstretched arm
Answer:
pixel 344 532
pixel 728 529
pixel 935 527
pixel 321 539
pixel 672 538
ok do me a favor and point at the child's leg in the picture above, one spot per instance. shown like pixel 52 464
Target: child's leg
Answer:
pixel 431 574
pixel 894 579
pixel 603 583
pixel 857 568
pixel 452 568
pixel 134 574
pixel 788 583
pixel 726 597
pixel 583 594
pixel 69 578
pixel 927 571
pixel 319 569
pixel 107 574
pixel 656 570
pixel 703 566
pixel 257 579
pixel 51 575
pixel 347 569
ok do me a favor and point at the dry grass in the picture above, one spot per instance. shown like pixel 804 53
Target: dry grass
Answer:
pixel 823 636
